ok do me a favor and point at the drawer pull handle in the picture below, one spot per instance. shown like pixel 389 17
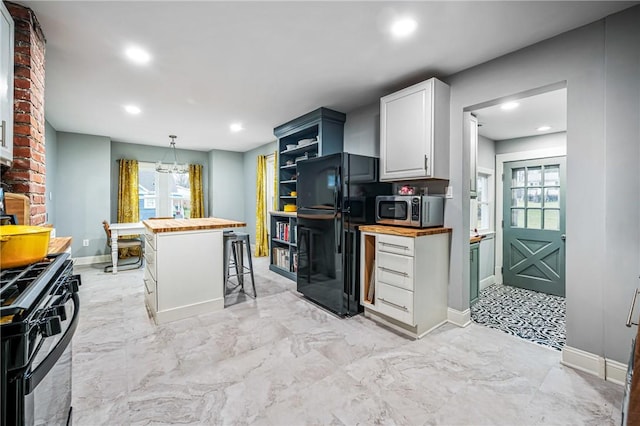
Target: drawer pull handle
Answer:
pixel 404 274
pixel 395 305
pixel 395 245
pixel 146 287
pixel 633 305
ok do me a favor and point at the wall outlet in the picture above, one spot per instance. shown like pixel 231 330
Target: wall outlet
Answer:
pixel 449 193
pixel 85 243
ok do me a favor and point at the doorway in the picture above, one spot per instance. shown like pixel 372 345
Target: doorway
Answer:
pixel 522 142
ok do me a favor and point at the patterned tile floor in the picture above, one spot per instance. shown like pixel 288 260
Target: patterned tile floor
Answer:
pixel 533 316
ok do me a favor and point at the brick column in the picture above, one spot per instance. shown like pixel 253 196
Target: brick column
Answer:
pixel 27 174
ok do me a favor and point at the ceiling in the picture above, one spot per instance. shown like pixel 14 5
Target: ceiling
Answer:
pixel 264 63
pixel 546 109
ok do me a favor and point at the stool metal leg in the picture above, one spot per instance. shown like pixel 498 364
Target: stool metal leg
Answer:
pixel 253 281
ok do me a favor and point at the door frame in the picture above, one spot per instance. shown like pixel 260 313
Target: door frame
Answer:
pixel 500 160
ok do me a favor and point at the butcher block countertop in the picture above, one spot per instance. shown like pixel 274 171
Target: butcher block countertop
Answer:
pixel 475 239
pixel 177 225
pixel 59 245
pixel 403 232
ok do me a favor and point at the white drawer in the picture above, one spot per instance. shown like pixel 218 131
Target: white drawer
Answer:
pixel 151 299
pixel 395 270
pixel 150 261
pixel 150 239
pixel 395 244
pixel 150 284
pixel 395 302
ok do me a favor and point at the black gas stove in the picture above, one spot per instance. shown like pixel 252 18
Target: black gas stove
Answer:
pixel 39 308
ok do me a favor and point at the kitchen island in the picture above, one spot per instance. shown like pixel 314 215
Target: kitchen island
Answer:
pixel 184 263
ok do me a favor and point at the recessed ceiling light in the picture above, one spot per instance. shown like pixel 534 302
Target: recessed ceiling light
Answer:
pixel 235 127
pixel 132 109
pixel 138 55
pixel 403 27
pixel 543 128
pixel 509 105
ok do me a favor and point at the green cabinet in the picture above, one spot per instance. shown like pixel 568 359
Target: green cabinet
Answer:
pixel 317 133
pixel 474 276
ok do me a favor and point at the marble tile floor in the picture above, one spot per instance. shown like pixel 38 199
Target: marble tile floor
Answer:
pixel 281 360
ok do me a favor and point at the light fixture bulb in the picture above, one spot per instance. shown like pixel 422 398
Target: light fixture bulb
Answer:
pixel 543 128
pixel 132 109
pixel 403 27
pixel 509 105
pixel 236 127
pixel 138 55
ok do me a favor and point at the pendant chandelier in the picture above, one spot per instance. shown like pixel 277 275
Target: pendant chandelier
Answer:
pixel 175 167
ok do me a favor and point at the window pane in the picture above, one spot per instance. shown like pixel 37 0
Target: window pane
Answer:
pixel 534 218
pixel 552 219
pixel 534 176
pixel 483 188
pixel 552 176
pixel 517 218
pixel 534 197
pixel 180 195
pixel 552 197
pixel 517 198
pixel 483 216
pixel 147 190
pixel 517 177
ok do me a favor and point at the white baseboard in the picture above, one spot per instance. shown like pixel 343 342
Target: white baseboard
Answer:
pixel 459 318
pixel 90 260
pixel 484 283
pixel 607 369
pixel 616 372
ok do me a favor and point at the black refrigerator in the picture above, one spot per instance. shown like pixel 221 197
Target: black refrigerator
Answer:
pixel 336 194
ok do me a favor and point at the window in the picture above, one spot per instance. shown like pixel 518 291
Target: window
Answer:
pixel 482 207
pixel 163 194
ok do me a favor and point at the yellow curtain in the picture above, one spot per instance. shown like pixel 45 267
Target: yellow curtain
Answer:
pixel 197 196
pixel 128 200
pixel 262 243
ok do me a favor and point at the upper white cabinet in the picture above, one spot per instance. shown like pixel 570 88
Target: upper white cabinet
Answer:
pixel 6 85
pixel 471 136
pixel 414 132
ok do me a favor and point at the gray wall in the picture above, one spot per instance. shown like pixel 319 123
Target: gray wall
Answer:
pixel 51 158
pixel 81 201
pixel 622 177
pixel 486 153
pixel 250 163
pixel 362 131
pixel 151 154
pixel 602 134
pixel 227 183
pixel 530 143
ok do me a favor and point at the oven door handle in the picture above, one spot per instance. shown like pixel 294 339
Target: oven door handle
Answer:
pixel 36 376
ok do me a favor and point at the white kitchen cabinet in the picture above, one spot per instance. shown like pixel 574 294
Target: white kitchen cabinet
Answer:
pixel 183 273
pixel 471 136
pixel 414 132
pixel 404 279
pixel 6 85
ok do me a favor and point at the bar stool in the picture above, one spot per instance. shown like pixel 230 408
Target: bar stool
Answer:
pixel 234 244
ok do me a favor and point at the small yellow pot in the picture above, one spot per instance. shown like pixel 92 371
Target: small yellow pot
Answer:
pixel 22 245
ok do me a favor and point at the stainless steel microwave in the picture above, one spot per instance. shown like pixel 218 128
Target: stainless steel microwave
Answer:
pixel 418 211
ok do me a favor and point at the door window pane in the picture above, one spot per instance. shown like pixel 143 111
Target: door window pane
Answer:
pixel 552 219
pixel 534 197
pixel 517 197
pixel 534 176
pixel 517 177
pixel 552 197
pixel 552 176
pixel 483 216
pixel 534 218
pixel 517 218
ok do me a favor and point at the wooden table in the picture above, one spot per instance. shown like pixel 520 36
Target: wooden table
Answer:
pixel 118 230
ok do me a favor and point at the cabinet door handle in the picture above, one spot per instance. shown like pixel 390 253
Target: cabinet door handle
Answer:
pixel 633 305
pixel 404 274
pixel 146 287
pixel 426 165
pixel 395 245
pixel 4 133
pixel 395 305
